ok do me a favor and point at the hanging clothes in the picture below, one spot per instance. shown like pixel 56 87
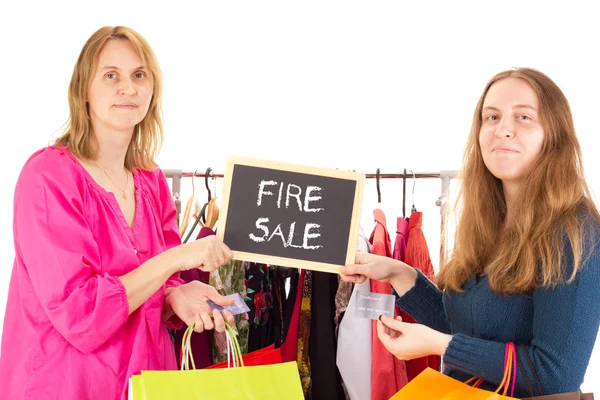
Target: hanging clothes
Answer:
pixel 354 341
pixel 342 299
pixel 200 343
pixel 283 304
pixel 415 366
pixel 388 374
pixel 271 310
pixel 325 377
pixel 259 299
pixel 289 346
pixel 278 305
pixel 417 256
pixel 229 279
pixel 303 354
pixel 417 252
pixel 401 239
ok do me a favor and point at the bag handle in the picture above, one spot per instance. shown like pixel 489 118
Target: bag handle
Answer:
pixel 234 352
pixel 186 349
pixel 509 369
pixel 510 372
pixel 535 376
pixel 232 342
pixel 526 380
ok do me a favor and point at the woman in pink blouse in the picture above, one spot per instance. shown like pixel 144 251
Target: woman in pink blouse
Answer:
pixel 94 284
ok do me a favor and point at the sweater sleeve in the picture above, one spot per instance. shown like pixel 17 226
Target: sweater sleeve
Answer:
pixel 565 326
pixel 62 259
pixel 424 303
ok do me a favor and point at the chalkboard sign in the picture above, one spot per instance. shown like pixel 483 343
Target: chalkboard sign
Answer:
pixel 290 215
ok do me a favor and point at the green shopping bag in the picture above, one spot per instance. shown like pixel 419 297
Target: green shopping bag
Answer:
pixel 276 381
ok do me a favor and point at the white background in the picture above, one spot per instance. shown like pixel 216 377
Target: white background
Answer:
pixel 349 85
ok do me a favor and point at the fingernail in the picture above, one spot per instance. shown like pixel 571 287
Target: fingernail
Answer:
pixel 380 317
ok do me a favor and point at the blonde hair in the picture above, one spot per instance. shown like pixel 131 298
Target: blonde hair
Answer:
pixel 147 135
pixel 552 209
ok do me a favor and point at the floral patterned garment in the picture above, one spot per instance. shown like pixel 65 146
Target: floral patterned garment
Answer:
pixel 303 354
pixel 229 279
pixel 259 298
pixel 259 292
pixel 342 298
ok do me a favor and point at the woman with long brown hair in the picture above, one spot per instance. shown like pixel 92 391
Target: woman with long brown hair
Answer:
pixel 525 267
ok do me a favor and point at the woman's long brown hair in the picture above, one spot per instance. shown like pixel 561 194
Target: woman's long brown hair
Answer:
pixel 550 213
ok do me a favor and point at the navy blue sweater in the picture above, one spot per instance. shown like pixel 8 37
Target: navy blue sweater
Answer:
pixel 557 326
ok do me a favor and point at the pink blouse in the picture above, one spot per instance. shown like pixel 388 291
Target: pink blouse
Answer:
pixel 67 333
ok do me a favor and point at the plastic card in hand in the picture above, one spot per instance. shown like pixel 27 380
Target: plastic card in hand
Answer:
pixel 238 307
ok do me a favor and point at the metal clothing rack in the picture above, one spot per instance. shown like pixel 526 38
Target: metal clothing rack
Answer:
pixel 445 176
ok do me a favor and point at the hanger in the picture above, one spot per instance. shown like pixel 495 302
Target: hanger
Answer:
pixel 413 208
pixel 378 177
pixel 404 194
pixel 211 212
pixel 207 174
pixel 188 209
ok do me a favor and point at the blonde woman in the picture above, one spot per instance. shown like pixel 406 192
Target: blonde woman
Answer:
pixel 526 265
pixel 94 283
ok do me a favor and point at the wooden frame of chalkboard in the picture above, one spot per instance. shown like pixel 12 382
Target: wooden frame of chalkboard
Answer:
pixel 336 201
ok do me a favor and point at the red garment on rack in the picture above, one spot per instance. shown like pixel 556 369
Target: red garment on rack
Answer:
pixel 290 343
pixel 388 374
pixel 415 366
pixel 417 252
pixel 401 239
pixel 417 256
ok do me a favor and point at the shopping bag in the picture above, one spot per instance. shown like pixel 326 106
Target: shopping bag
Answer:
pixel 564 396
pixel 278 381
pixel 275 381
pixel 136 386
pixel 433 385
pixel 267 356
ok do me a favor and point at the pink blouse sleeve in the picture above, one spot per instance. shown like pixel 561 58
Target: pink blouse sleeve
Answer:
pixel 61 257
pixel 169 222
pixel 171 235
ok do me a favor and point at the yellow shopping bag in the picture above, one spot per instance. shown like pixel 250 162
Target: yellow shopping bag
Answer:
pixel 276 381
pixel 136 388
pixel 433 385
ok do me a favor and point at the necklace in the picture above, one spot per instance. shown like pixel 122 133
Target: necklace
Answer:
pixel 126 183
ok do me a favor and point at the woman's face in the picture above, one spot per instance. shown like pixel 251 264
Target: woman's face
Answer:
pixel 511 134
pixel 120 89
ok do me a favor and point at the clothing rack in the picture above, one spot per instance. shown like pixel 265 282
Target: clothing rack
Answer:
pixel 445 176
